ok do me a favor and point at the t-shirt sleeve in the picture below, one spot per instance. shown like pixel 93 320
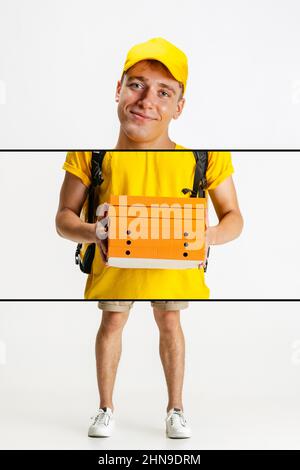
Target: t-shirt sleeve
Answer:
pixel 219 168
pixel 79 164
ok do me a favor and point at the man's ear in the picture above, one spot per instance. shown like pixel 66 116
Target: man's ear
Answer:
pixel 179 108
pixel 118 90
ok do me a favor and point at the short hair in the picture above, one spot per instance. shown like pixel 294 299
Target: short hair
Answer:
pixel 151 61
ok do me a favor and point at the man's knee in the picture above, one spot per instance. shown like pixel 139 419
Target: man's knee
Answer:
pixel 113 321
pixel 168 321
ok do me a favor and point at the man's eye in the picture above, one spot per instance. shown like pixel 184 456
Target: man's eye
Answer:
pixel 167 94
pixel 138 84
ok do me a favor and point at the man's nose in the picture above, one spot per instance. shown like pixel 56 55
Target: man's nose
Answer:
pixel 148 97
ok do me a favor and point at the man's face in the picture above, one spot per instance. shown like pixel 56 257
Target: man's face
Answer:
pixel 148 100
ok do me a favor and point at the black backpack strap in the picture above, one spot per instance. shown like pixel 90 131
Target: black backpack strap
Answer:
pixel 200 182
pixel 96 180
pixel 97 160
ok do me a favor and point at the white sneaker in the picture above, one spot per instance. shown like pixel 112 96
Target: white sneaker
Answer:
pixel 176 425
pixel 103 423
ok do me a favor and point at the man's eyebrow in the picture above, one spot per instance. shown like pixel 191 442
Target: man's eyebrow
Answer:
pixel 164 85
pixel 134 77
pixel 144 79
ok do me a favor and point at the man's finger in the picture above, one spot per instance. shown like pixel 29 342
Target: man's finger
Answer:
pixel 102 229
pixel 102 210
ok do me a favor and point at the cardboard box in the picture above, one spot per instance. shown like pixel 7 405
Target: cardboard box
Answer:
pixel 156 232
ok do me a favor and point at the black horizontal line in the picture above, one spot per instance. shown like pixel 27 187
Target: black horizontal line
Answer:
pixel 150 300
pixel 150 150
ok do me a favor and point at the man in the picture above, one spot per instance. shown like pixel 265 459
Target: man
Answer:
pixel 149 95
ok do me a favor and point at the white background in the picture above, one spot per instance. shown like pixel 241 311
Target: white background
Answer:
pixel 242 380
pixel 59 64
pixel 262 264
pixel 60 61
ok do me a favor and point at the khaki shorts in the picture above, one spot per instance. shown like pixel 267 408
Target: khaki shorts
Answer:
pixel 126 305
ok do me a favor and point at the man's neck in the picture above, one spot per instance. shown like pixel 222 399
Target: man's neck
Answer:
pixel 125 143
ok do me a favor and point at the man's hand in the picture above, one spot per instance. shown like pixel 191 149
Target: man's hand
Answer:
pixel 102 231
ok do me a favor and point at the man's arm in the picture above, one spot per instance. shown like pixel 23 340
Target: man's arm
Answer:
pixel 230 226
pixel 68 223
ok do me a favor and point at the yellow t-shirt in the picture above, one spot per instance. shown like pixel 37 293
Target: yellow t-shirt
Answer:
pixel 149 173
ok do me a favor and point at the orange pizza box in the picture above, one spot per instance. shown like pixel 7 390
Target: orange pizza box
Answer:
pixel 156 232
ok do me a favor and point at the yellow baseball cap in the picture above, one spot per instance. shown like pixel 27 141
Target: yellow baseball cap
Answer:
pixel 164 51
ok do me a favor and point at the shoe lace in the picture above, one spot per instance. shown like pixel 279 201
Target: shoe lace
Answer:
pixel 177 416
pixel 102 417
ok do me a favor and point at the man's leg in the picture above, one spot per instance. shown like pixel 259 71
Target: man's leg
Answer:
pixel 109 347
pixel 171 347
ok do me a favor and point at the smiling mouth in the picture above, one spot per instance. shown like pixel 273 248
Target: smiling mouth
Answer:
pixel 141 117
